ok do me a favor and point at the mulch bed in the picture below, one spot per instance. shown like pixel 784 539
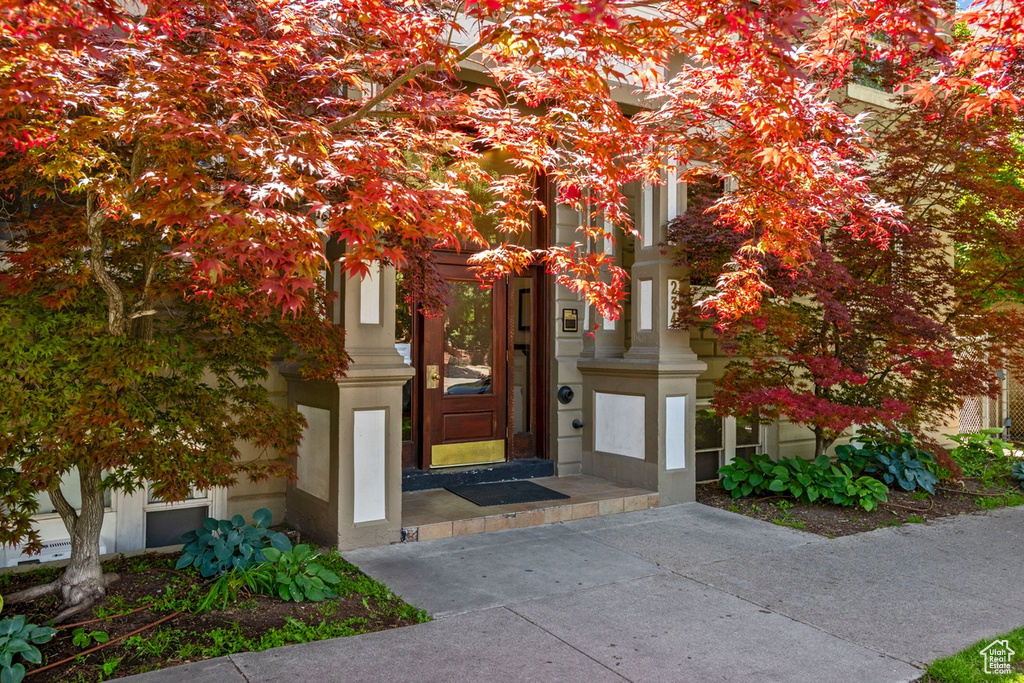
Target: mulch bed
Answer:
pixel 832 520
pixel 251 617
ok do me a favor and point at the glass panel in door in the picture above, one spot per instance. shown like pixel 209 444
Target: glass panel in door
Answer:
pixel 468 340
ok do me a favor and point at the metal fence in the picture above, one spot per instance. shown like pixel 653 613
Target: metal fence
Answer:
pixel 1014 393
pixel 986 412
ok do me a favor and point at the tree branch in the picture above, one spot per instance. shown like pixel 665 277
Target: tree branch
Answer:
pixel 63 508
pixel 425 67
pixel 115 299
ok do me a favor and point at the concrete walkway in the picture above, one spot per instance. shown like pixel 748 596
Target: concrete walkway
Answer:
pixel 684 593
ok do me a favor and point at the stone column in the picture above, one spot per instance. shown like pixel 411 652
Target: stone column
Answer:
pixel 349 487
pixel 641 407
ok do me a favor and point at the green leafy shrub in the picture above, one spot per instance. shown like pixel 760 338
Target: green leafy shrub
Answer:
pixel 742 478
pixel 845 488
pixel 293 574
pixel 802 479
pixel 982 455
pixel 20 639
pixel 225 545
pixel 805 480
pixel 900 463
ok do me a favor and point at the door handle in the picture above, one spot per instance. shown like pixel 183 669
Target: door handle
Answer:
pixel 433 376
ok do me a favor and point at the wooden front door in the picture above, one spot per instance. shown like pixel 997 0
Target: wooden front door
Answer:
pixel 464 366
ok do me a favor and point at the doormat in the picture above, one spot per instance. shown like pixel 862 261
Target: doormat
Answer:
pixel 505 492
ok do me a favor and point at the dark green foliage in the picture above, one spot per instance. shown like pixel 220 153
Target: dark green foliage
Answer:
pixel 805 480
pixel 187 592
pixel 1017 471
pixel 20 639
pixel 293 574
pixel 742 478
pixel 901 462
pixel 848 489
pixel 226 545
pixel 285 572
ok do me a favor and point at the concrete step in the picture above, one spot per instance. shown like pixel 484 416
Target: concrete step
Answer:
pixel 437 514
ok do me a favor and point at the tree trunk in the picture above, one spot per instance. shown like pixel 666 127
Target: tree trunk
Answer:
pixel 821 444
pixel 83 582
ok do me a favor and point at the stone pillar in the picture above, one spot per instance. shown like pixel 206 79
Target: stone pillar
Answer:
pixel 349 487
pixel 640 408
pixel 603 337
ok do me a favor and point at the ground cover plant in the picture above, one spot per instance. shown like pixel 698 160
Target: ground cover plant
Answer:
pixel 151 589
pixel 20 640
pixel 805 480
pixel 222 545
pixel 877 483
pixel 983 455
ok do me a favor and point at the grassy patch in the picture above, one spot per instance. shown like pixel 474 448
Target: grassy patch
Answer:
pixel 967 665
pixel 1007 500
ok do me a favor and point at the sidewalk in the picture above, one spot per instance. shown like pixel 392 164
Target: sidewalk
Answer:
pixel 684 593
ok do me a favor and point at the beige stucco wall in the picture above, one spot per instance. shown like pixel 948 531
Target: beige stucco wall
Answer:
pixel 245 497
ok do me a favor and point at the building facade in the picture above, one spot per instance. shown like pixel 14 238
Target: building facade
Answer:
pixel 519 380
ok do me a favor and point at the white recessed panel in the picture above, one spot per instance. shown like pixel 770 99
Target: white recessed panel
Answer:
pixel 648 221
pixel 368 433
pixel 619 424
pixel 646 304
pixel 369 297
pixel 608 324
pixel 313 466
pixel 609 243
pixel 672 187
pixel 675 432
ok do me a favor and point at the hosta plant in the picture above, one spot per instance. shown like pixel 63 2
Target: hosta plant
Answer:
pixel 293 574
pixel 225 545
pixel 806 480
pixel 1017 471
pixel 742 478
pixel 19 639
pixel 900 463
pixel 845 488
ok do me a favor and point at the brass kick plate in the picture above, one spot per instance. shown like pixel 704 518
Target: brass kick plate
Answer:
pixel 467 453
pixel 433 377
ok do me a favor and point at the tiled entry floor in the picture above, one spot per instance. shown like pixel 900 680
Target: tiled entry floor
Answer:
pixel 437 513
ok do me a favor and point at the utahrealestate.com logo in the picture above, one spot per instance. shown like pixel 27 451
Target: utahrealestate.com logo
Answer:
pixel 997 656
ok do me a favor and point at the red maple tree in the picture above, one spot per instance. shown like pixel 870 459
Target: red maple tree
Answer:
pixel 893 338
